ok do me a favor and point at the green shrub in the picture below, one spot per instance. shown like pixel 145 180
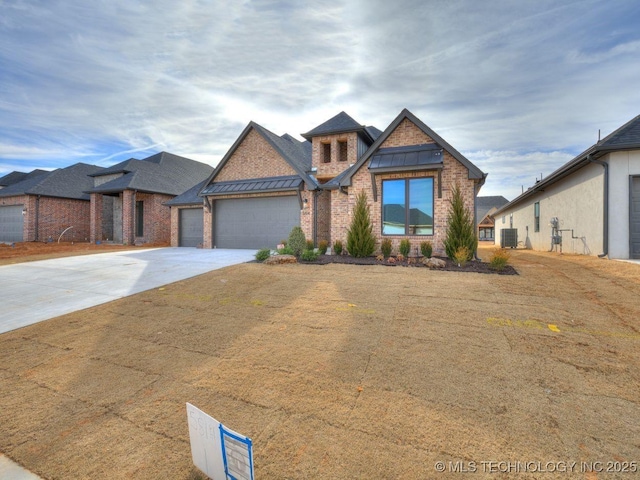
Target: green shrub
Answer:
pixel 263 254
pixel 283 242
pixel 297 242
pixel 460 229
pixel 360 239
pixel 499 259
pixel 385 248
pixel 426 248
pixel 285 251
pixel 310 245
pixel 405 247
pixel 322 247
pixel 461 257
pixel 337 247
pixel 309 256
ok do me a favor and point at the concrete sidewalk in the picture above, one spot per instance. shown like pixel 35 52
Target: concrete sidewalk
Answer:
pixel 36 291
pixel 10 470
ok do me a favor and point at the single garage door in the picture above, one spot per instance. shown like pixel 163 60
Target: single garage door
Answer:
pixel 634 217
pixel 255 222
pixel 11 223
pixel 191 223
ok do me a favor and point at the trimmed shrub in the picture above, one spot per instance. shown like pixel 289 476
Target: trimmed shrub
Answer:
pixel 337 247
pixel 400 257
pixel 426 248
pixel 283 242
pixel 360 239
pixel 405 247
pixel 263 254
pixel 461 257
pixel 499 259
pixel 297 241
pixel 309 256
pixel 322 247
pixel 385 247
pixel 310 245
pixel 460 230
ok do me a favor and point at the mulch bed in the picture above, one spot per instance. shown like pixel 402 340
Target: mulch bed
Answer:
pixel 473 266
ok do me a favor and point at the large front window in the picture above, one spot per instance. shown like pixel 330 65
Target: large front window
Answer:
pixel 407 206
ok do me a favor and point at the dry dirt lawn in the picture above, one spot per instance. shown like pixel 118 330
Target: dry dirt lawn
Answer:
pixel 339 371
pixel 33 251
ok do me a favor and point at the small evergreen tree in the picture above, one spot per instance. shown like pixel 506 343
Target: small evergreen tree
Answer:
pixel 297 241
pixel 360 239
pixel 460 228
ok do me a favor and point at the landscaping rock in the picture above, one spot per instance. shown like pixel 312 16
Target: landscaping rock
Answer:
pixel 280 259
pixel 434 262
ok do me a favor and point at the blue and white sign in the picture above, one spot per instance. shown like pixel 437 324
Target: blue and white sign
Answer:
pixel 218 451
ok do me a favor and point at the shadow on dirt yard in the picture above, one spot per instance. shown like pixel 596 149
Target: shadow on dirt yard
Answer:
pixel 339 371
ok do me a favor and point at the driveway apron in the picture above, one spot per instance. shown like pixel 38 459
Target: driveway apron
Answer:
pixel 35 291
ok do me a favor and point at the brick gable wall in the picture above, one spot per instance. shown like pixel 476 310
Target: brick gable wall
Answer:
pixel 254 158
pixel 336 166
pixel 453 172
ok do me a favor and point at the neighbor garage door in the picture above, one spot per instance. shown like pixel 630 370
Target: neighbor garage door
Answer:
pixel 255 222
pixel 634 218
pixel 11 223
pixel 190 227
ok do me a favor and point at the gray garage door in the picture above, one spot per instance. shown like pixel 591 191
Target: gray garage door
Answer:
pixel 191 222
pixel 255 222
pixel 634 218
pixel 11 223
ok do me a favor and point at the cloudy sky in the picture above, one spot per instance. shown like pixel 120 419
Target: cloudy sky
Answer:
pixel 519 87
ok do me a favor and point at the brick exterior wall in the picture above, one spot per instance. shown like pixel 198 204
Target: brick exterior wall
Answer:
pixel 453 172
pixel 95 217
pixel 330 170
pixel 51 216
pixel 254 158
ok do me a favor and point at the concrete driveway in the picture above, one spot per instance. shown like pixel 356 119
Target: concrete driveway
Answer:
pixel 36 291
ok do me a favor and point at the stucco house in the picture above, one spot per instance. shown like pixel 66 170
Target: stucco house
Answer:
pixel 590 205
pixel 41 205
pixel 266 184
pixel 128 199
pixel 485 208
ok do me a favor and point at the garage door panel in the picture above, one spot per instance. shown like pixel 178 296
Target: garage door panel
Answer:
pixel 191 227
pixel 255 222
pixel 11 223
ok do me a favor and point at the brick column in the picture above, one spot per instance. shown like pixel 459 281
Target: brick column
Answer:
pixel 95 216
pixel 207 234
pixel 128 217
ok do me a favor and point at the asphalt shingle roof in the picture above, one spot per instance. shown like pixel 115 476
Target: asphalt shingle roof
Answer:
pixel 340 123
pixel 190 197
pixel 161 173
pixel 485 204
pixel 628 134
pixel 15 177
pixel 68 182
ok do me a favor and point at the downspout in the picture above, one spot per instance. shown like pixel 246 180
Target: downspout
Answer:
pixel 605 206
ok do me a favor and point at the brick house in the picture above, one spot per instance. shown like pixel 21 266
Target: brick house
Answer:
pixel 41 205
pixel 128 200
pixel 485 208
pixel 266 184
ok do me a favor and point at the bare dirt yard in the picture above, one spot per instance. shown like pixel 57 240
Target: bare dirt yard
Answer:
pixel 341 371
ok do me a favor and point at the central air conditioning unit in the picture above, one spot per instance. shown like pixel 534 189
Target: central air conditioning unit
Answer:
pixel 509 237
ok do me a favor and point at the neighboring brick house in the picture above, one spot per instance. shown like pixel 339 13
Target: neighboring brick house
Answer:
pixel 485 208
pixel 41 205
pixel 128 200
pixel 267 184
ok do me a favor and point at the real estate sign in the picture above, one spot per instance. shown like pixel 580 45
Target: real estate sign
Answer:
pixel 218 451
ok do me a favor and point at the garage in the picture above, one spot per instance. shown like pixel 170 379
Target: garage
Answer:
pixel 255 222
pixel 190 227
pixel 11 223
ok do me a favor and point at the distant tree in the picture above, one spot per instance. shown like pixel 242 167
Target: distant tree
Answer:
pixel 360 239
pixel 460 228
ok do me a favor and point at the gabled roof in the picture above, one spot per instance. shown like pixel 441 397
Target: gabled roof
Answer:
pixel 160 173
pixel 295 153
pixel 341 123
pixel 627 137
pixel 69 182
pixel 485 205
pixel 345 180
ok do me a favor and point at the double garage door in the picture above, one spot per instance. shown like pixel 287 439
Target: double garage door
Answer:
pixel 255 222
pixel 11 223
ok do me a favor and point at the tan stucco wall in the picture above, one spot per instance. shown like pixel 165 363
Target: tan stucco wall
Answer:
pixel 621 166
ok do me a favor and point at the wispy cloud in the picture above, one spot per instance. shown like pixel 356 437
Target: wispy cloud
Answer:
pixel 105 80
